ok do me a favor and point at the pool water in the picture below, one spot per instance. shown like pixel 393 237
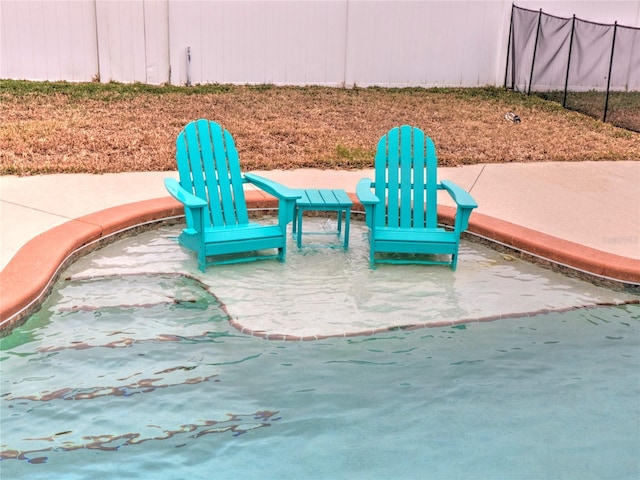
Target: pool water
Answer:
pixel 139 373
pixel 321 291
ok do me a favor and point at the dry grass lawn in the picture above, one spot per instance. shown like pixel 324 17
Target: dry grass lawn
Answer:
pixel 64 128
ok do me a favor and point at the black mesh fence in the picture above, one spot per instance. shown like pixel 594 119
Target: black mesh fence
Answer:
pixel 589 67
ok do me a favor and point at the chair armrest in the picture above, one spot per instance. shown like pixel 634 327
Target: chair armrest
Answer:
pixel 368 200
pixel 465 203
pixel 273 188
pixel 188 199
pixel 364 193
pixel 459 195
pixel 286 196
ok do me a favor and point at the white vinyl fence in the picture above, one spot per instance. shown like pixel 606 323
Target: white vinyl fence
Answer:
pixel 283 42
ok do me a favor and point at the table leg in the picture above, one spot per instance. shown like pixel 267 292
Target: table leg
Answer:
pixel 347 218
pixel 294 222
pixel 299 237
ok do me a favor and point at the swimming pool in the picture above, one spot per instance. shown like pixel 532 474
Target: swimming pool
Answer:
pixel 129 369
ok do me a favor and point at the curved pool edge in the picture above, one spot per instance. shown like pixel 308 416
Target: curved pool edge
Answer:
pixel 28 277
pixel 274 336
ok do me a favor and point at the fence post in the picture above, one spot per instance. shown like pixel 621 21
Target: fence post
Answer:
pixel 613 46
pixel 566 80
pixel 535 48
pixel 509 47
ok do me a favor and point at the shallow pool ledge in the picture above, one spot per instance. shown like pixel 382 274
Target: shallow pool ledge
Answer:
pixel 28 277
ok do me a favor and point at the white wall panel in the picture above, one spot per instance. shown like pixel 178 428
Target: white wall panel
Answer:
pixel 294 42
pixel 425 43
pixel 284 42
pixel 625 12
pixel 121 40
pixel 184 28
pixel 44 40
pixel 156 41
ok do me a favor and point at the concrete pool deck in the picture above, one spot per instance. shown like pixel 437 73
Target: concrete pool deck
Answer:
pixel 584 216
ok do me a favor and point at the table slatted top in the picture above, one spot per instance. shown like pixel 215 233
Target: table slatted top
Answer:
pixel 324 198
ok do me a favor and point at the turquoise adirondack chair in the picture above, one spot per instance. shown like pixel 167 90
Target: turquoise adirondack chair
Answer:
pixel 211 190
pixel 401 204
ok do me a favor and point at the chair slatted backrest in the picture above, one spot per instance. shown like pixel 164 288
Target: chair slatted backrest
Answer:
pixel 406 176
pixel 209 167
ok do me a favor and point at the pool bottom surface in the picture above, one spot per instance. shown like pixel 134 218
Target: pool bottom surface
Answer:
pixel 322 290
pixel 553 396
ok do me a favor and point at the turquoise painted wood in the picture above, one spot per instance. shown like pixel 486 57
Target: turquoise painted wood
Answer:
pixel 323 200
pixel 401 202
pixel 211 188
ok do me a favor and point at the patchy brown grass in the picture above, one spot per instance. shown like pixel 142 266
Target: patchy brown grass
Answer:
pixel 64 128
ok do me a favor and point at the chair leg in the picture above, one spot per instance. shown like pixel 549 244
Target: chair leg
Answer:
pixel 372 251
pixel 202 262
pixel 454 261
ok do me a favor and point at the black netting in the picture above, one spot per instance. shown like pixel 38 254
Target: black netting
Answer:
pixel 550 67
pixel 589 67
pixel 623 109
pixel 524 24
pixel 625 74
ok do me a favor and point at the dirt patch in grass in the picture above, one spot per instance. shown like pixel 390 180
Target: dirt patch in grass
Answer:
pixel 96 128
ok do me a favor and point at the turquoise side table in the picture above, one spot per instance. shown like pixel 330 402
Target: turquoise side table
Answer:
pixel 323 200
